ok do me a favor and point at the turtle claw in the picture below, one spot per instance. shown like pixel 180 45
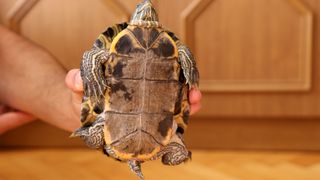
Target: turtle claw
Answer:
pixel 135 167
pixel 79 132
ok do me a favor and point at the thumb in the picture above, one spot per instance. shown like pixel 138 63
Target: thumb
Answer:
pixel 73 81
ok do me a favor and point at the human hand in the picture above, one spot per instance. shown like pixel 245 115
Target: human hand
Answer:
pixel 74 82
pixel 195 100
pixel 10 119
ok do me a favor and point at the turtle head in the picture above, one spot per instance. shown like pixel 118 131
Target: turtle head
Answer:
pixel 145 14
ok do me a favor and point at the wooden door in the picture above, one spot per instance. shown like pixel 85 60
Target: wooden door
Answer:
pixel 258 61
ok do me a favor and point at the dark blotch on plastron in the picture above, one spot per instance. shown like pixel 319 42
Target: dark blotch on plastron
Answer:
pixel 173 36
pixel 164 125
pixel 186 116
pixel 123 25
pixel 139 36
pixel 182 78
pixel 127 96
pixel 180 130
pixel 165 48
pixel 124 45
pixel 98 109
pixel 84 114
pixel 121 87
pixel 177 107
pixel 154 34
pixel 117 72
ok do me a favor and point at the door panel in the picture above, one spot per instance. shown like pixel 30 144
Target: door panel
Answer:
pixel 68 28
pixel 253 45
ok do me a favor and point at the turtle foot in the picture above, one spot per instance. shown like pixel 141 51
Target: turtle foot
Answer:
pixel 176 154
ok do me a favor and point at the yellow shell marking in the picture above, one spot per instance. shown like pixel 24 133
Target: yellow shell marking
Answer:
pixel 115 40
pixel 107 135
pixel 104 41
pixel 168 137
pixel 91 115
pixel 142 157
pixel 173 43
pixel 184 107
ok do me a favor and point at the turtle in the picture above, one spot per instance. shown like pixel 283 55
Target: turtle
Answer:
pixel 136 78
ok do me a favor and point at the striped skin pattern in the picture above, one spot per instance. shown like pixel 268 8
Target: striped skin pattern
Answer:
pixel 94 84
pixel 119 54
pixel 94 81
pixel 188 65
pixel 93 133
pixel 187 61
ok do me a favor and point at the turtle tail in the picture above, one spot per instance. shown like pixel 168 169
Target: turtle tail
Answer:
pixel 135 167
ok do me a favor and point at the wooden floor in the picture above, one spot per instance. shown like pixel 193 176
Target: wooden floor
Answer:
pixel 69 164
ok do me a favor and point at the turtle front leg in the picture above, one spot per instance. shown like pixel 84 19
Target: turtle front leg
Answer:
pixel 187 62
pixel 93 75
pixel 94 83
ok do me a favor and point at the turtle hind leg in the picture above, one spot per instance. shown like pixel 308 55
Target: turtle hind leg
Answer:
pixel 175 152
pixel 92 135
pixel 135 167
pixel 177 155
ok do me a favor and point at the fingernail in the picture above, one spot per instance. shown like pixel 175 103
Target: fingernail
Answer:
pixel 199 94
pixel 78 81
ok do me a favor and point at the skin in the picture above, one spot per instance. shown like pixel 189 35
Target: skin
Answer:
pixel 10 118
pixel 49 93
pixel 44 94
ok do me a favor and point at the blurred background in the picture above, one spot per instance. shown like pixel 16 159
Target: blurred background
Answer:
pixel 258 61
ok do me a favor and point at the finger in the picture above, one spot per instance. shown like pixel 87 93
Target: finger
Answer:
pixel 12 120
pixel 194 108
pixel 73 80
pixel 194 96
